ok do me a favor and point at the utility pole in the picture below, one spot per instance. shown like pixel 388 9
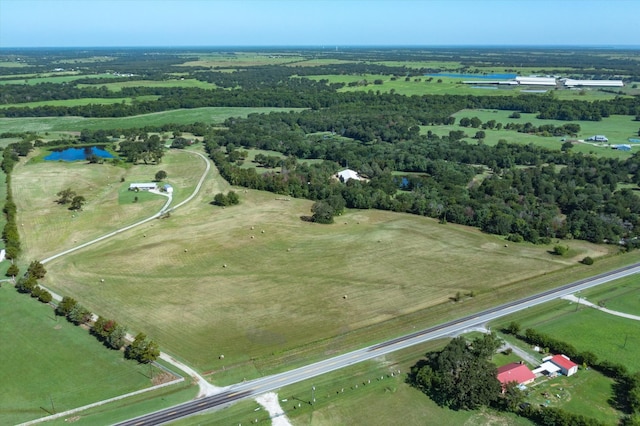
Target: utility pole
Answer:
pixel 313 395
pixel 52 407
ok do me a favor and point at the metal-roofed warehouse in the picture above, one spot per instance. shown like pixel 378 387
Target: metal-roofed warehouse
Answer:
pixel 536 81
pixel 593 83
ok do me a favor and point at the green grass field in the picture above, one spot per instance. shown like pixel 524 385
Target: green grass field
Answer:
pixel 49 361
pixel 80 102
pixel 131 407
pixel 622 295
pixel 181 82
pixel 586 393
pixel 607 336
pixel 181 116
pixel 32 79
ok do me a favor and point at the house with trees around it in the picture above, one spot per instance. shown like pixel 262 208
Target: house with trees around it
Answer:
pixel 347 174
pixel 515 372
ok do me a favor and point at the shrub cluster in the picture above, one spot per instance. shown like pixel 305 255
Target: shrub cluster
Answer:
pixel 230 199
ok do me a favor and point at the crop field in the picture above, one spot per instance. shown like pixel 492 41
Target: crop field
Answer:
pixel 53 228
pixel 80 102
pixel 275 294
pixel 180 116
pixel 51 365
pixel 608 336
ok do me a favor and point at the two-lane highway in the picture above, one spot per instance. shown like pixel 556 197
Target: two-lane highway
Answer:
pixel 259 386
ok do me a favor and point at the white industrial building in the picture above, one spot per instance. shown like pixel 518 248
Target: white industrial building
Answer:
pixel 568 82
pixel 536 81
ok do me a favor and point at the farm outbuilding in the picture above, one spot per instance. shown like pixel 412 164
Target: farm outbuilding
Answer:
pixel 515 372
pixel 598 138
pixel 143 186
pixel 622 147
pixel 168 188
pixel 567 367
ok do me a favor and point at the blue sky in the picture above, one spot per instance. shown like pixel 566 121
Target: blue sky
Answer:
pixel 69 23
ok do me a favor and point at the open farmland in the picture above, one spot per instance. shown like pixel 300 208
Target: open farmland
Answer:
pixel 189 82
pixel 622 295
pixel 180 116
pixel 276 292
pixel 607 336
pixel 82 101
pixel 617 128
pixel 48 364
pixel 425 85
pixel 50 228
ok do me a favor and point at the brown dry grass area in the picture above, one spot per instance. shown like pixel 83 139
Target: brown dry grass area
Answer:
pixel 283 288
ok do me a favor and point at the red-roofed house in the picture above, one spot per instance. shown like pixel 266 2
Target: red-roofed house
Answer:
pixel 515 372
pixel 567 367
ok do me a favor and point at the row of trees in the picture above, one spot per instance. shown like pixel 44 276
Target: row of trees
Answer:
pixel 109 332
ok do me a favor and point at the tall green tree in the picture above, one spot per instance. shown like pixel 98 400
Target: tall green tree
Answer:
pixel 142 349
pixel 460 376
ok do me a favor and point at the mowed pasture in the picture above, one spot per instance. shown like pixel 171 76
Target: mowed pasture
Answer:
pixel 49 365
pixel 47 227
pixel 622 295
pixel 254 280
pixel 80 102
pixel 607 336
pixel 182 82
pixel 179 116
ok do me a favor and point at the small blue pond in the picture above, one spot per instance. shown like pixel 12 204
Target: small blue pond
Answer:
pixel 75 154
pixel 475 76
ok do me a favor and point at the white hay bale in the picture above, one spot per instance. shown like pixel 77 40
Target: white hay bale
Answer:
pixel 224 266
pixel 185 250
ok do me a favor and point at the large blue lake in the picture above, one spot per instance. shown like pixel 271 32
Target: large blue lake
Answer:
pixel 75 154
pixel 475 76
